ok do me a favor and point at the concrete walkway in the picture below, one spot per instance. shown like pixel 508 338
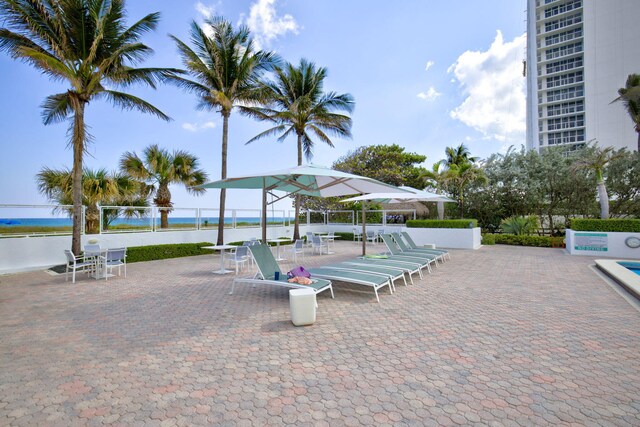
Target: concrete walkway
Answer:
pixel 501 336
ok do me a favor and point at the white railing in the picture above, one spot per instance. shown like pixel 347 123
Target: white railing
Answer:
pixel 29 220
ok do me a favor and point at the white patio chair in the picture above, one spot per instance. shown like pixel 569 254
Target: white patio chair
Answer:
pixel 309 242
pixel 318 244
pixel 372 236
pixel 92 252
pixel 76 263
pixel 239 257
pixel 116 257
pixel 297 248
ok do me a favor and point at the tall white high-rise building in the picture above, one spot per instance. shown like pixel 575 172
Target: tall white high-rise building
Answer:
pixel 579 53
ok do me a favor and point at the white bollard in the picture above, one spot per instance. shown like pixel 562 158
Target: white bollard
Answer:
pixel 303 306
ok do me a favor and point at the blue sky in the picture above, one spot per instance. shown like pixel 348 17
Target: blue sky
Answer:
pixel 424 74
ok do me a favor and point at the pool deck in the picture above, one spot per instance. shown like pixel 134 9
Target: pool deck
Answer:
pixel 498 336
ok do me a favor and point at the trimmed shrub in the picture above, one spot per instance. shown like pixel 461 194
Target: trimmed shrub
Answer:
pixel 155 252
pixel 442 223
pixel 488 239
pixel 345 236
pixel 613 225
pixel 521 240
pixel 520 225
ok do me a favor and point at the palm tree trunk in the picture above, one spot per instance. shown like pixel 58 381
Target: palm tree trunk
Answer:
pixel 604 199
pixel 92 219
pixel 296 225
pixel 78 151
pixel 223 175
pixel 440 206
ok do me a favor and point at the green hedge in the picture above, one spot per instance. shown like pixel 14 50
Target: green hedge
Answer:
pixel 155 252
pixel 442 223
pixel 620 225
pixel 521 240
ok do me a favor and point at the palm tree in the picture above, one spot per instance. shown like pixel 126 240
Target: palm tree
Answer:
pixel 435 178
pixel 98 187
pixel 86 43
pixel 299 106
pixel 629 95
pixel 460 176
pixel 159 168
pixel 595 159
pixel 458 156
pixel 226 69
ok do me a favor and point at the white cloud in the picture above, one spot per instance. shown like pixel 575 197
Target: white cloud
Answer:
pixel 204 10
pixel 198 127
pixel 429 65
pixel 430 95
pixel 492 82
pixel 266 25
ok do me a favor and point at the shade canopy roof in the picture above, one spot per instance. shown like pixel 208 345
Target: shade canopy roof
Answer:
pixel 307 180
pixel 407 195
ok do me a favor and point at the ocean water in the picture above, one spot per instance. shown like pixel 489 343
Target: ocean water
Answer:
pixel 66 222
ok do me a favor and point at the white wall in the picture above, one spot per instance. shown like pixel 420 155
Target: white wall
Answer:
pixel 37 253
pixel 454 238
pixel 615 244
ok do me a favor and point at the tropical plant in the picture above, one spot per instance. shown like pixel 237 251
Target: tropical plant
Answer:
pixel 460 177
pixel 87 44
pixel 623 184
pixel 226 70
pixel 520 225
pixel 99 187
pixel 629 95
pixel 299 106
pixel 457 156
pixel 595 159
pixel 159 168
pixel 434 178
pixel 386 163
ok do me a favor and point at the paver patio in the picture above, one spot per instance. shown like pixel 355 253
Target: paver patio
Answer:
pixel 502 335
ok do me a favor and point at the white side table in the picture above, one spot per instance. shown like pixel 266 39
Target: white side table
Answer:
pixel 277 242
pixel 220 248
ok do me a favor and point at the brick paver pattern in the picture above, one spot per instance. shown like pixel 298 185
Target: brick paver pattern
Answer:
pixel 501 336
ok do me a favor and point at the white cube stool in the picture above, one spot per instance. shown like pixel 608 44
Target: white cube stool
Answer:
pixel 303 306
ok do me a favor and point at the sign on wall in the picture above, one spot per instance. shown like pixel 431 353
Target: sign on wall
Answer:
pixel 597 242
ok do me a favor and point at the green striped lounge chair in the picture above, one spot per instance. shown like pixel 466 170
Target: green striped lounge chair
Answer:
pixel 392 273
pixel 404 247
pixel 267 267
pixel 407 237
pixel 396 253
pixel 409 268
pixel 375 281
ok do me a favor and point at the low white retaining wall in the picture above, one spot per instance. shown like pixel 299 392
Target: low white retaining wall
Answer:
pixel 601 244
pixel 454 238
pixel 38 253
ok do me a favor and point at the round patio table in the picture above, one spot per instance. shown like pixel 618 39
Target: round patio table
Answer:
pixel 220 248
pixel 277 242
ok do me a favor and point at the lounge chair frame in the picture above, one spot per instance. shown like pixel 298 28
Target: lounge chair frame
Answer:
pixel 266 263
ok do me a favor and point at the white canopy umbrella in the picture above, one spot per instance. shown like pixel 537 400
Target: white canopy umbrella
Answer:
pixel 407 195
pixel 307 180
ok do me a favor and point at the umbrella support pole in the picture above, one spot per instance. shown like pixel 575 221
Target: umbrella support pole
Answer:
pixel 264 216
pixel 364 230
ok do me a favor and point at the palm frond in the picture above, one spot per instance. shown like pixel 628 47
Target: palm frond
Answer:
pixel 56 108
pixel 267 133
pixel 129 102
